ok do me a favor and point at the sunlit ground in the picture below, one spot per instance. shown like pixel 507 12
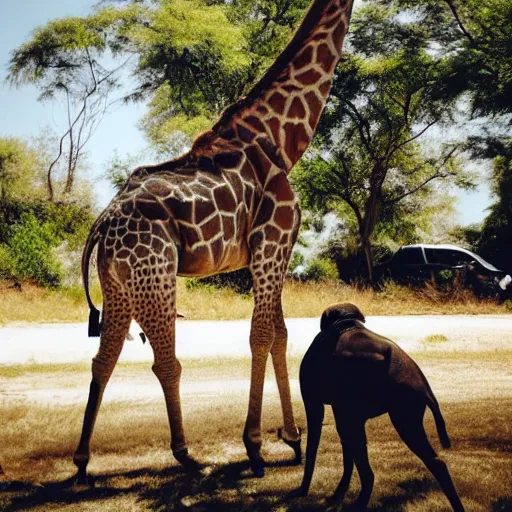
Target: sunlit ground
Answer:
pixel 42 408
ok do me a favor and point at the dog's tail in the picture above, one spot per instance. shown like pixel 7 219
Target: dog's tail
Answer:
pixel 438 418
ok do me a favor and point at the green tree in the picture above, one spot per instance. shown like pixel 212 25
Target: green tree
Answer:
pixel 495 238
pixel 31 227
pixel 475 39
pixel 187 59
pixel 20 171
pixel 63 60
pixel 369 161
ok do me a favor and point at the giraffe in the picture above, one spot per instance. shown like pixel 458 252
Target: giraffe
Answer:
pixel 224 205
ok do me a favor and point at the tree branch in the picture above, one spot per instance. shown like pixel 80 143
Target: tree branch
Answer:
pixel 459 21
pixel 419 134
pixel 436 174
pixel 362 125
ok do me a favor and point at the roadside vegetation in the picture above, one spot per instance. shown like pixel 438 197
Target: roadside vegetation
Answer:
pixel 41 305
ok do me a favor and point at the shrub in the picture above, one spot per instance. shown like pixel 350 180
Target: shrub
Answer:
pixel 296 260
pixel 197 283
pixel 320 269
pixel 31 249
pixel 351 262
pixel 43 241
pixel 6 263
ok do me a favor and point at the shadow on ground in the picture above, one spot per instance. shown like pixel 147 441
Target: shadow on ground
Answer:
pixel 216 488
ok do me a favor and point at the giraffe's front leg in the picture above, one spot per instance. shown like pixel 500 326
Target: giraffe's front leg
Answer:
pixel 266 271
pixel 290 433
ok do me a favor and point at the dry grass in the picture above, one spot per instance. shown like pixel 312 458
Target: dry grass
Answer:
pixel 135 471
pixel 34 304
pixel 435 338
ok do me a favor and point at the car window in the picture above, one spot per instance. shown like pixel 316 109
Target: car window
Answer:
pixel 447 257
pixel 409 256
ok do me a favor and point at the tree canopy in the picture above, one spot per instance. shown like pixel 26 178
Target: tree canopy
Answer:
pixel 369 160
pixel 411 67
pixel 187 59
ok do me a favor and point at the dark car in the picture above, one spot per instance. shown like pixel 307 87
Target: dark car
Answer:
pixel 422 261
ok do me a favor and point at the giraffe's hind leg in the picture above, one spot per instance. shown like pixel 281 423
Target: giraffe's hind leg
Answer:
pixel 155 312
pixel 116 322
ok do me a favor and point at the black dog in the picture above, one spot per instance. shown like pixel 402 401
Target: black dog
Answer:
pixel 363 375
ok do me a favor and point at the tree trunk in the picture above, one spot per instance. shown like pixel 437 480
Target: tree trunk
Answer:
pixel 368 255
pixel 369 221
pixel 49 184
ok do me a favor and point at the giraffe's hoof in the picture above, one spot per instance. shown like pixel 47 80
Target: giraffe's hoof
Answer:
pixel 253 452
pixel 333 499
pixel 86 479
pixel 295 445
pixel 300 492
pixel 188 462
pixel 258 468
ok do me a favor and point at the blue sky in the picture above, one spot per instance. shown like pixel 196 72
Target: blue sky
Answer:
pixel 22 115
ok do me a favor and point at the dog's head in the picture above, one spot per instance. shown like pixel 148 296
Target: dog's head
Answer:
pixel 341 311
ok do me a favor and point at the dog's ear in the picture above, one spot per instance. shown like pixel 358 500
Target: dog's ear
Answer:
pixel 341 311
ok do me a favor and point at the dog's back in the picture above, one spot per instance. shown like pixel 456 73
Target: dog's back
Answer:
pixel 355 366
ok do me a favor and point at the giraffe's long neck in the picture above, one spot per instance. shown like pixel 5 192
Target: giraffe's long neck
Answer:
pixel 289 99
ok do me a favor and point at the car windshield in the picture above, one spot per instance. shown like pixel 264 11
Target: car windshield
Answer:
pixel 482 262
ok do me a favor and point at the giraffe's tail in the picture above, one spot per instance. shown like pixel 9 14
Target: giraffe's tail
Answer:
pixel 94 328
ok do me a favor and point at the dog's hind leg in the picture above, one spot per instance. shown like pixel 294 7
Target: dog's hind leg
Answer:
pixel 409 425
pixel 348 455
pixel 315 415
pixel 359 443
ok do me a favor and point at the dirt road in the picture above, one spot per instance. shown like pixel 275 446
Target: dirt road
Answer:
pixel 64 343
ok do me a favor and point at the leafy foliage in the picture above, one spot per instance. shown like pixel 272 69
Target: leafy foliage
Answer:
pixel 475 40
pixel 320 269
pixel 188 58
pixel 20 173
pixel 369 163
pixel 495 240
pixel 32 228
pixel 30 249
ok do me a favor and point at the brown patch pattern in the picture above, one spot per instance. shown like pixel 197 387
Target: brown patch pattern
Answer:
pixel 224 205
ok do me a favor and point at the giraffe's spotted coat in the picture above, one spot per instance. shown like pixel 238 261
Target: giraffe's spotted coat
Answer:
pixel 224 205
